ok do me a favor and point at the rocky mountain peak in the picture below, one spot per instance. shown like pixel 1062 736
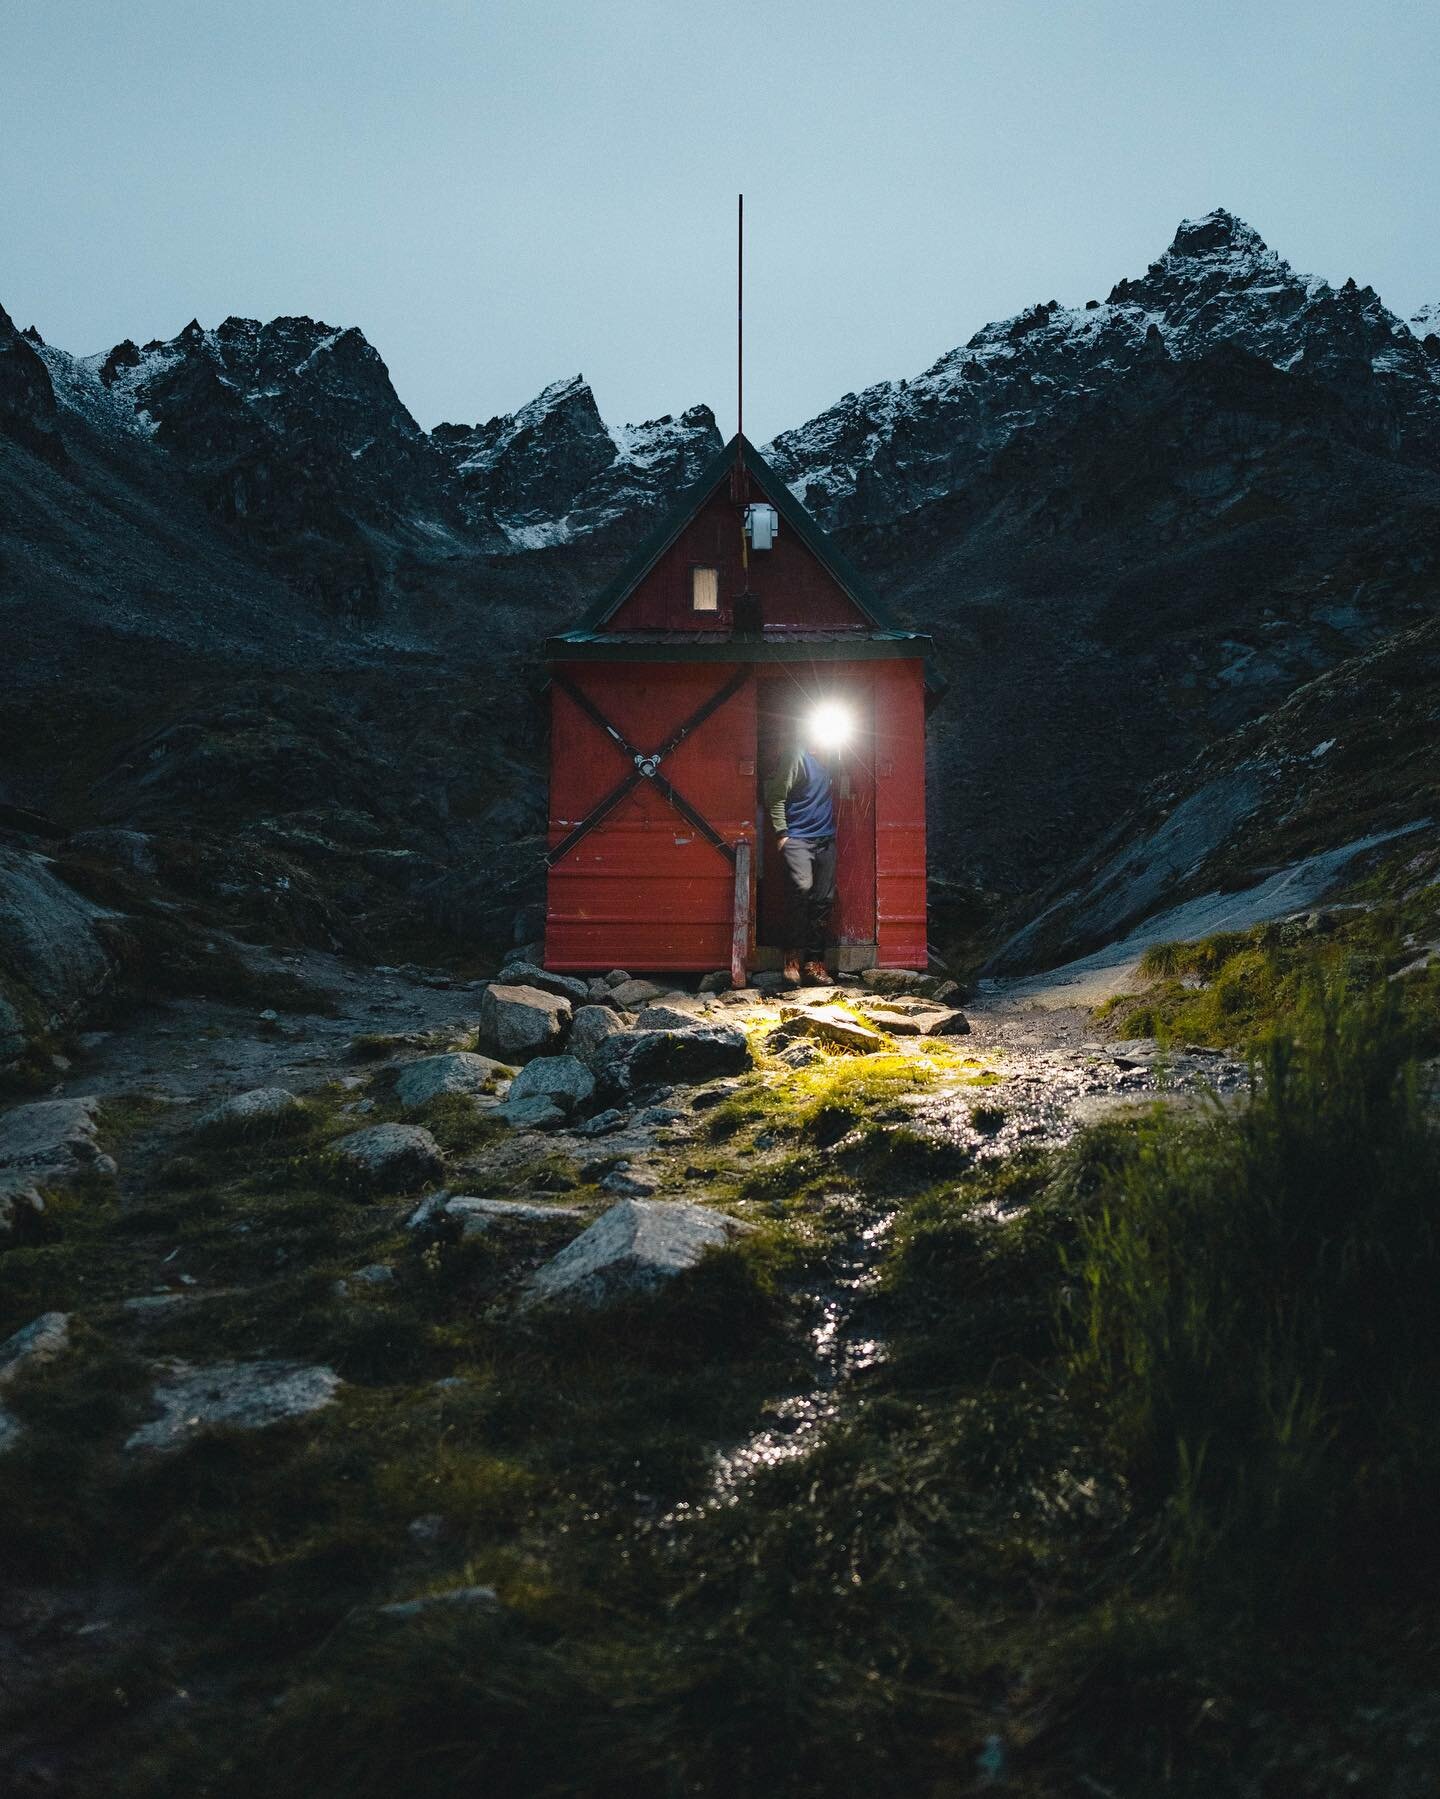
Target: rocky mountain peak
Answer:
pixel 1217 234
pixel 554 471
pixel 28 413
pixel 901 445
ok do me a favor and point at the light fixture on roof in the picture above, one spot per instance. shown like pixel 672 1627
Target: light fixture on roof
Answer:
pixel 762 525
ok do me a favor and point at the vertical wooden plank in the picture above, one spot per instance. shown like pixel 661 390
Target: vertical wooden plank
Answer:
pixel 900 814
pixel 740 927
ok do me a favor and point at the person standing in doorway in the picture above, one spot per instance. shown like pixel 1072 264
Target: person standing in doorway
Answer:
pixel 801 804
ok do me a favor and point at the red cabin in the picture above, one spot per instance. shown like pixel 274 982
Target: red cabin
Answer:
pixel 668 705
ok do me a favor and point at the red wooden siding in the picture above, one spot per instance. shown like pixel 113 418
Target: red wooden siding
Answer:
pixel 793 586
pixel 644 889
pixel 900 814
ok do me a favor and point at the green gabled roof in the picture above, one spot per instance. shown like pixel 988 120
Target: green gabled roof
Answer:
pixel 779 495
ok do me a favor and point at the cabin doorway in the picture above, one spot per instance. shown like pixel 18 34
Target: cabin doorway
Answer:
pixel 784 698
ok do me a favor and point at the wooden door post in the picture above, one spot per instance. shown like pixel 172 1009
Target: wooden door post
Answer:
pixel 740 924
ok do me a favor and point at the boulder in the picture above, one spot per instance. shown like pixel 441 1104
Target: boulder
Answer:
pixel 261 1109
pixel 49 942
pixel 391 1157
pixel 49 1141
pixel 562 1079
pixel 718 982
pixel 589 1028
pixel 517 1023
pixel 21 1203
pixel 538 1113
pixel 478 1215
pixel 826 1024
pixel 132 850
pixel 458 1072
pixel 230 1396
pixel 602 1123
pixel 631 995
pixel 617 977
pixel 897 980
pixel 665 1018
pixel 527 974
pixel 635 1059
pixel 634 1248
pixel 626 1182
pixel 36 1343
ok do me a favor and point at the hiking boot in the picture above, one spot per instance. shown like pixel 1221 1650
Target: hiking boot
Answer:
pixel 817 973
pixel 790 970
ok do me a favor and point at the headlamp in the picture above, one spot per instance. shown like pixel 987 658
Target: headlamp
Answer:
pixel 830 725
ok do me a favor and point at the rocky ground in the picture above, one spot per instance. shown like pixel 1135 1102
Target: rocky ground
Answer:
pixel 228 1191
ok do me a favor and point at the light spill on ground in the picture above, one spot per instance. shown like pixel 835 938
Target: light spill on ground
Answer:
pixel 1026 1075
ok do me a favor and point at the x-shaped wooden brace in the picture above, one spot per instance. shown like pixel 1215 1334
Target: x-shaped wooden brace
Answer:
pixel 646 767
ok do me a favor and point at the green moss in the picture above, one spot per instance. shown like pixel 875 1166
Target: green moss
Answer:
pixel 1235 988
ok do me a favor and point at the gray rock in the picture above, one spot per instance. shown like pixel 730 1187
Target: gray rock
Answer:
pixel 634 1248
pixel 526 974
pixel 589 1028
pixel 898 980
pixel 131 850
pixel 624 1064
pixel 21 1203
pixel 36 1343
pixel 601 1124
pixel 428 1213
pixel 458 1072
pixel 715 983
pixel 631 1183
pixel 665 1018
pixel 49 1141
pixel 715 1094
pixel 769 980
pixel 11 1430
pixel 484 1597
pixel 478 1215
pixel 826 1024
pixel 633 994
pixel 391 1157
pixel 563 1080
pixel 374 1274
pixel 48 936
pixel 517 1023
pixel 257 1110
pixel 230 1396
pixel 617 977
pixel 538 1113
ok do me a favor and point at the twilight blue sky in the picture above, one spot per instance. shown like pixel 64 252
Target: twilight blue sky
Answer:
pixel 503 192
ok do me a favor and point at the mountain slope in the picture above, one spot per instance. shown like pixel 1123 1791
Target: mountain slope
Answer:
pixel 898 445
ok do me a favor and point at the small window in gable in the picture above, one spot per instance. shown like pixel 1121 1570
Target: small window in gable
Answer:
pixel 705 589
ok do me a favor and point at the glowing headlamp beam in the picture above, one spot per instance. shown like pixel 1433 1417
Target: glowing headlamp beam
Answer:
pixel 830 725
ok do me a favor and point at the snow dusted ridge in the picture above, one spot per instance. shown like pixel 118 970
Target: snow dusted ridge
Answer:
pixel 293 430
pixel 899 444
pixel 554 471
pixel 261 412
